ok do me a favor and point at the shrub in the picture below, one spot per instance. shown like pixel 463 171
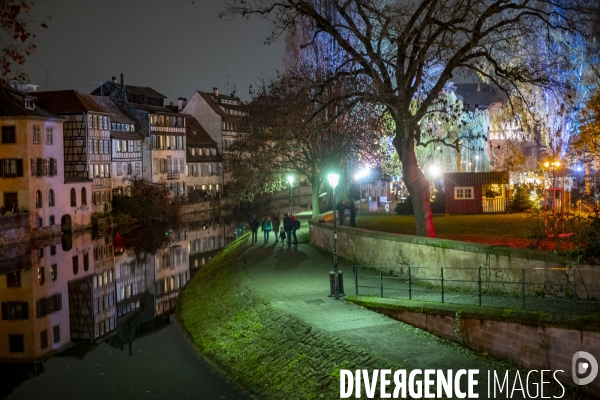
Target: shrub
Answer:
pixel 521 200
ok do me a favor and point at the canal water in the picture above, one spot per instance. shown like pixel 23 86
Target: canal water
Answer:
pixel 92 316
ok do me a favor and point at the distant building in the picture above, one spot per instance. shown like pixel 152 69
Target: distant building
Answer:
pixel 86 132
pixel 125 149
pixel 33 174
pixel 504 138
pixel 203 170
pixel 163 147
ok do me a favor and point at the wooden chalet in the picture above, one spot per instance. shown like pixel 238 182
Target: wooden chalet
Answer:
pixel 476 192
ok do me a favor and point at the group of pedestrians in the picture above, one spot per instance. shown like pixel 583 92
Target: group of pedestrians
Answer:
pixel 282 231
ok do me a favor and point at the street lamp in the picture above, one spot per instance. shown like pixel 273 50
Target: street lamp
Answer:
pixel 290 179
pixel 333 181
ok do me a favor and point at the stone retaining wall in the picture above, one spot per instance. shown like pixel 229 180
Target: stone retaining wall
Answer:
pixel 545 272
pixel 532 347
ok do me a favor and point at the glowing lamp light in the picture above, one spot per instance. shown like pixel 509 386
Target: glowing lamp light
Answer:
pixel 333 180
pixel 290 179
pixel 362 173
pixel 546 164
pixel 435 170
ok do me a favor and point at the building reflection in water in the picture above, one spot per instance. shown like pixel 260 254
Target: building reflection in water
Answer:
pixel 82 290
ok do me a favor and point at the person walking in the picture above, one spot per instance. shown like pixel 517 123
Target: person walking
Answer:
pixel 352 207
pixel 281 235
pixel 275 223
pixel 266 228
pixel 341 208
pixel 295 227
pixel 288 227
pixel 254 229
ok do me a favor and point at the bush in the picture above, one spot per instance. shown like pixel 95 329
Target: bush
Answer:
pixel 521 200
pixel 405 206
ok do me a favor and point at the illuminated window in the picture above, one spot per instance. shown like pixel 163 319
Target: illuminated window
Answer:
pixel 463 193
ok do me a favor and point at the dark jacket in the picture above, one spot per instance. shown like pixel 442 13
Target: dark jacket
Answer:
pixel 275 222
pixel 254 224
pixel 287 223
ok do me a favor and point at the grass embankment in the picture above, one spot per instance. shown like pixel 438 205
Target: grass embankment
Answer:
pixel 269 354
pixel 513 230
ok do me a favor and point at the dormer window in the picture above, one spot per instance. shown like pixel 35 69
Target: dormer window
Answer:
pixel 29 104
pixel 193 150
pixel 213 151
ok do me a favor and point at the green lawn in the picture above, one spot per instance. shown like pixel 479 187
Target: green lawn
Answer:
pixel 514 230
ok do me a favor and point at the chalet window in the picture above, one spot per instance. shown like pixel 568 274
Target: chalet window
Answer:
pixel 36 134
pixel 119 169
pixel 154 141
pixel 463 193
pixel 73 198
pixel 49 135
pixel 83 197
pixel 138 145
pixel 45 167
pixel 181 164
pixel 129 169
pixel 53 272
pixel 38 199
pixel 15 310
pixel 138 168
pixel 11 168
pixel 155 166
pixel 50 198
pixel 187 170
pixel 193 151
pixel 195 169
pixel 16 343
pixel 168 142
pixel 9 135
pixel 213 151
pixel 163 165
pixel 179 142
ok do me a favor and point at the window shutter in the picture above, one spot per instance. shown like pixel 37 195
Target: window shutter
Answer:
pixel 19 167
pixel 33 167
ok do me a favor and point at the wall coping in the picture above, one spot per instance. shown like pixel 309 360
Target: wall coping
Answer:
pixel 587 322
pixel 535 255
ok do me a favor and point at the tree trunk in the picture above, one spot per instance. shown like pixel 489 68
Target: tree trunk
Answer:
pixel 315 198
pixel 417 185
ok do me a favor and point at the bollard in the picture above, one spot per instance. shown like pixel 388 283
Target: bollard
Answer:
pixel 332 283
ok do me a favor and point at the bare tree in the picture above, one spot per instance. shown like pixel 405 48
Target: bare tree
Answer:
pixel 408 51
pixel 293 130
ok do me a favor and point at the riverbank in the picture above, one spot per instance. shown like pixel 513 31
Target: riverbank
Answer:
pixel 269 353
pixel 261 314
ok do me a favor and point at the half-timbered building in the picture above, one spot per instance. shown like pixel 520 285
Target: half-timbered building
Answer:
pixel 163 147
pixel 86 132
pixel 32 167
pixel 203 169
pixel 126 147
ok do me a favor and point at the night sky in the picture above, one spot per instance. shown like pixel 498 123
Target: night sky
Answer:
pixel 173 46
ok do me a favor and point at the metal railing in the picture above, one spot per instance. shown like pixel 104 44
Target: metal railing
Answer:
pixel 556 289
pixel 171 175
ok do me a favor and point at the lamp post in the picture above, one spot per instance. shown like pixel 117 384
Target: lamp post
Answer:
pixel 290 179
pixel 333 181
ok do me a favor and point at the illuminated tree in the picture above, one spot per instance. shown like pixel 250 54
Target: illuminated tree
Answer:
pixel 403 54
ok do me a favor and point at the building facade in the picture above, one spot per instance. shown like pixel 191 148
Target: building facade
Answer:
pixel 32 167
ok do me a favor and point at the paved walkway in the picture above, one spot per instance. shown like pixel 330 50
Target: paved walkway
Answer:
pixel 295 279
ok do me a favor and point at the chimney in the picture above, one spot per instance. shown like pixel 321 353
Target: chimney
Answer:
pixel 216 91
pixel 180 104
pixel 184 102
pixel 122 81
pixel 479 86
pixel 171 103
pixel 114 80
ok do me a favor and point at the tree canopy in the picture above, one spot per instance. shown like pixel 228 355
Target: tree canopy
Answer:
pixel 405 53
